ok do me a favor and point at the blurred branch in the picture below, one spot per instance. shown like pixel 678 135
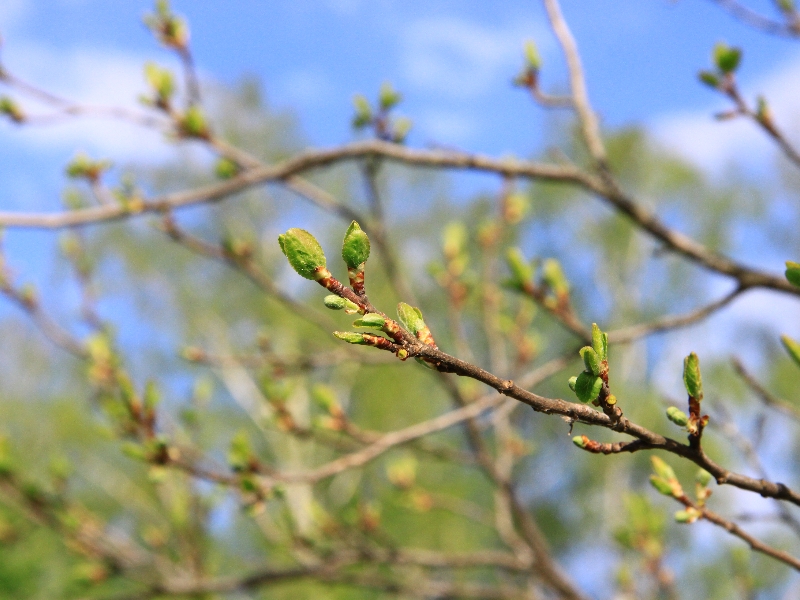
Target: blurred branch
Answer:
pixel 790 28
pixel 245 264
pixel 763 394
pixel 735 530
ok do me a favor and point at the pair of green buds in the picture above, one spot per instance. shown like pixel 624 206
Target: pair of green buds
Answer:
pixel 588 385
pixel 306 257
pixel 666 482
pixel 693 382
pixel 409 316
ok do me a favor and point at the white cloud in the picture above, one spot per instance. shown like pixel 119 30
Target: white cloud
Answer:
pixel 88 76
pixel 445 126
pixel 714 144
pixel 458 58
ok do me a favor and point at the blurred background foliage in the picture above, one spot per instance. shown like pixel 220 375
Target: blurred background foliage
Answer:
pixel 164 303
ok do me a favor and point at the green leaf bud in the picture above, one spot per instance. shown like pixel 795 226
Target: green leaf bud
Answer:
pixel 161 81
pixel 240 452
pixel 363 116
pixel 587 387
pixel 663 487
pixel 554 277
pixel 599 342
pixel 351 337
pixel 792 347
pixel 691 376
pixel 685 516
pixel 677 416
pixel 521 271
pixel 662 469
pixel 388 97
pixel 703 477
pixel 134 451
pixel 591 360
pixel 226 168
pixel 338 303
pixel 401 127
pixel 726 58
pixel 11 109
pixel 83 167
pixel 709 78
pixel 303 252
pixel 372 320
pixel 325 397
pixel 454 238
pixel 793 272
pixel 355 248
pixel 572 382
pixel 579 441
pixel 193 123
pixel 402 473
pixel 410 317
pixel 532 57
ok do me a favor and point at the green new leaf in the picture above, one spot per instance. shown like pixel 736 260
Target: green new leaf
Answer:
pixel 677 416
pixel 703 477
pixel 401 126
pixel 532 57
pixel 388 96
pixel 338 303
pixel 726 58
pixel 11 109
pixel 792 347
pixel 372 320
pixel 662 469
pixel 579 441
pixel 193 123
pixel 240 452
pixel 686 516
pixel 793 272
pixel 691 376
pixel 587 387
pixel 709 78
pixel 351 337
pixel 554 277
pixel 522 272
pixel 590 359
pixel 573 382
pixel 161 80
pixel 226 168
pixel 303 252
pixel 599 342
pixel 355 247
pixel 363 116
pixel 325 397
pixel 410 317
pixel 663 487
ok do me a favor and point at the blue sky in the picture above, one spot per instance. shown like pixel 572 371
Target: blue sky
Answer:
pixel 453 61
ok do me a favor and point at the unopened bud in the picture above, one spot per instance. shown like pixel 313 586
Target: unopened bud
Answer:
pixel 591 360
pixel 303 252
pixel 691 376
pixel 371 320
pixel 351 337
pixel 677 416
pixel 792 347
pixel 355 248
